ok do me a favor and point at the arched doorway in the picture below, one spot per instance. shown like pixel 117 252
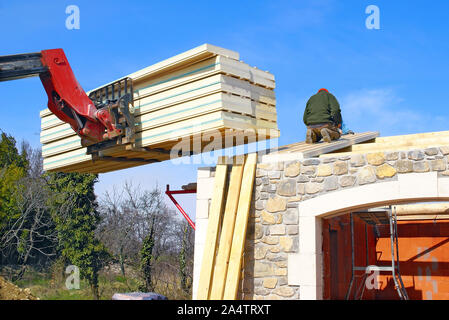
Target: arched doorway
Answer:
pixel 307 266
pixel 358 261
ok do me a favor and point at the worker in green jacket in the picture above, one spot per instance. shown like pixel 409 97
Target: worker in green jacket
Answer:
pixel 322 117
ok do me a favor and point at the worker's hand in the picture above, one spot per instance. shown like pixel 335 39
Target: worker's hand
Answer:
pixel 350 132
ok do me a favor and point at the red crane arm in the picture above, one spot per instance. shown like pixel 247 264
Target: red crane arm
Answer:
pixel 95 121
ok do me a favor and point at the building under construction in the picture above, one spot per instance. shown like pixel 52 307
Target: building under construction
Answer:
pixel 363 217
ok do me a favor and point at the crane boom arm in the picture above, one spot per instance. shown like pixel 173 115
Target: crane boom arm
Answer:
pixel 94 122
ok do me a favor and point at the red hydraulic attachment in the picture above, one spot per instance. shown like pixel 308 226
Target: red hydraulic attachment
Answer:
pixel 68 101
pixel 169 193
pixel 94 121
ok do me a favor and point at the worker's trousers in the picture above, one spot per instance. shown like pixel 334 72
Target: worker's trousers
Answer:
pixel 331 129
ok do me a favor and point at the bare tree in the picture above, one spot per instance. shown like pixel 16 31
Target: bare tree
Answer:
pixel 136 218
pixel 117 229
pixel 31 236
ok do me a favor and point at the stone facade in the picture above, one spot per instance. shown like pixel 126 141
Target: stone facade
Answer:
pixel 280 187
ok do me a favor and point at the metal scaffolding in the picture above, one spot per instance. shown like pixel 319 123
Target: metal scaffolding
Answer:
pixel 378 217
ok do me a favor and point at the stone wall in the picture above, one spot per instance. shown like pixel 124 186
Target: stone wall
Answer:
pixel 281 186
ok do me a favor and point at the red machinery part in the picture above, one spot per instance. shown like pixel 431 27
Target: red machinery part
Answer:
pixel 60 83
pixel 169 193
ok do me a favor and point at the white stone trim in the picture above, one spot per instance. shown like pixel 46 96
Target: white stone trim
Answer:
pixel 443 187
pixel 205 187
pixel 427 186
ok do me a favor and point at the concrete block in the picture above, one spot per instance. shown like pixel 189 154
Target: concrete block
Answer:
pixel 204 172
pixel 200 231
pixel 202 208
pixel 205 188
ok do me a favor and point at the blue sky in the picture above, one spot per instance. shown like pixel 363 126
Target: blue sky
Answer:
pixel 393 80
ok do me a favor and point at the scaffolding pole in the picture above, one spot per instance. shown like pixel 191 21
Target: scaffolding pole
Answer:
pixel 375 219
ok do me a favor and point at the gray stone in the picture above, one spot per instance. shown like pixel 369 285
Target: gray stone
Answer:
pixel 416 155
pixel 263 196
pixel 347 181
pixel 331 183
pixel 366 175
pixel 291 216
pixel 292 230
pixel 265 180
pixel 274 174
pixel 403 155
pixel 263 269
pixel 329 160
pixel 391 156
pixel 438 165
pixel 260 205
pixel 444 150
pixel 301 188
pixel 344 158
pixel 260 173
pixel 357 160
pixel 309 170
pixel 258 181
pixel 272 188
pixel 404 166
pixel 311 162
pixel 275 257
pixel 303 178
pixel 261 291
pixel 282 281
pixel 287 188
pixel 421 166
pixel 431 151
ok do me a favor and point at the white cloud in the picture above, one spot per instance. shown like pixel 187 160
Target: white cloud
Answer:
pixel 383 110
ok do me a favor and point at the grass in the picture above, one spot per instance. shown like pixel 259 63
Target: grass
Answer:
pixel 51 286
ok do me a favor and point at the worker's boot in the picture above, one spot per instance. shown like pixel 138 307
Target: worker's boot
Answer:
pixel 310 136
pixel 325 134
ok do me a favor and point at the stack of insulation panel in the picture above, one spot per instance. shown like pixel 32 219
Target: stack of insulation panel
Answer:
pixel 199 93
